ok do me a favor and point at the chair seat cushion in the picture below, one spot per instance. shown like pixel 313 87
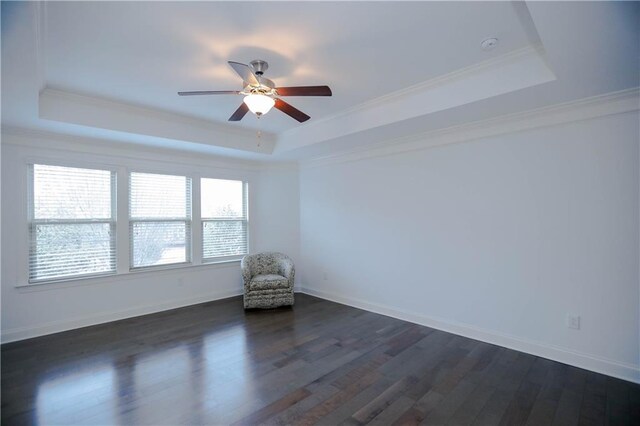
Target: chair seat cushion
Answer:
pixel 268 282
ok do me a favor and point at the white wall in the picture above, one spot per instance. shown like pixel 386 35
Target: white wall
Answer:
pixel 277 221
pixel 43 309
pixel 497 239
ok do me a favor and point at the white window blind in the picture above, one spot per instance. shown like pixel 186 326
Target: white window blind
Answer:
pixel 224 218
pixel 71 222
pixel 159 219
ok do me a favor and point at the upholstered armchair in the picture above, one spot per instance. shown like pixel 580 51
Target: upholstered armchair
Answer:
pixel 268 280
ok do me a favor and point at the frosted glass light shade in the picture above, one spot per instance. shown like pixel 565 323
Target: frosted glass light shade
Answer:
pixel 259 104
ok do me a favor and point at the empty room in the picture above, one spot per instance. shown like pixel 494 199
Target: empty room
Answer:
pixel 320 213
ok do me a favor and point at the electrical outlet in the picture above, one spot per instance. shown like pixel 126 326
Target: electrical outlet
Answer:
pixel 325 276
pixel 573 321
pixel 180 282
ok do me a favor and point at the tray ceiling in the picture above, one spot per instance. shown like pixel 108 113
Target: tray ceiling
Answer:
pixel 387 62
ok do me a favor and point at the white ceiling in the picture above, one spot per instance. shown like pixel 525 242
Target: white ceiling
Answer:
pixel 139 54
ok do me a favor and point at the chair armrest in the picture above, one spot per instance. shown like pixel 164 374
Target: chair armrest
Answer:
pixel 287 269
pixel 245 267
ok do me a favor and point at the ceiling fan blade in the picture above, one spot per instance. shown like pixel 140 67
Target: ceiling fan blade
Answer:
pixel 304 91
pixel 292 112
pixel 239 113
pixel 209 92
pixel 245 72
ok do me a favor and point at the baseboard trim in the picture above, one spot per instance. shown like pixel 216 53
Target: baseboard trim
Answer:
pixel 609 367
pixel 588 362
pixel 16 334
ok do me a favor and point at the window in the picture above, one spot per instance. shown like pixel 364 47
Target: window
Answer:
pixel 71 222
pixel 224 218
pixel 159 219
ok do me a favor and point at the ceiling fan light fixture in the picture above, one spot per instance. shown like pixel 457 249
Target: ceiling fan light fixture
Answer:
pixel 261 94
pixel 259 104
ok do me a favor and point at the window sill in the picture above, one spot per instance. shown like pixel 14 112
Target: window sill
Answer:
pixel 130 275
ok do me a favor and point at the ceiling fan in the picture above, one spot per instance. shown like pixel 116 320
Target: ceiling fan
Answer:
pixel 261 94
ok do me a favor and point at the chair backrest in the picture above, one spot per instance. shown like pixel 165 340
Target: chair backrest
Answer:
pixel 265 263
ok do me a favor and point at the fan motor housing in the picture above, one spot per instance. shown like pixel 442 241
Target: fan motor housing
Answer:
pixel 266 86
pixel 259 66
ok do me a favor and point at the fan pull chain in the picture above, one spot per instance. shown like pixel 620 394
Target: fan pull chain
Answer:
pixel 259 132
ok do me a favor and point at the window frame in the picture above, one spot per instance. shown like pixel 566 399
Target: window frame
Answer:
pixel 244 220
pixel 122 166
pixel 188 221
pixel 32 222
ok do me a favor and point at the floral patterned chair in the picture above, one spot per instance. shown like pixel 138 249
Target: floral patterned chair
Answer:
pixel 268 280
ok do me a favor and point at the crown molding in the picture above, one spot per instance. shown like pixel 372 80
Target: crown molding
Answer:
pixel 582 109
pixel 39 139
pixel 153 113
pixel 442 80
pixel 502 74
pixel 100 113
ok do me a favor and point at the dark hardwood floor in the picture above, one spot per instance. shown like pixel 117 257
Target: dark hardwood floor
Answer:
pixel 318 363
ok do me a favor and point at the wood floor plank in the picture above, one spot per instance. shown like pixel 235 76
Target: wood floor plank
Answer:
pixel 393 412
pixel 339 399
pixel 411 417
pixel 316 363
pixel 449 404
pixel 354 403
pixel 594 401
pixel 274 408
pixel 494 409
pixel 382 401
pixel 292 414
pixel 472 406
pixel 521 405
